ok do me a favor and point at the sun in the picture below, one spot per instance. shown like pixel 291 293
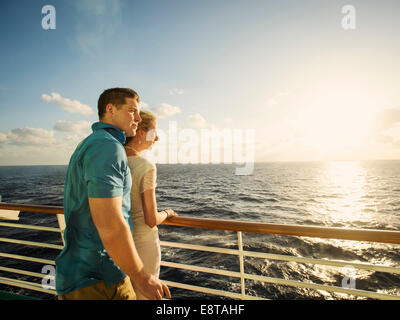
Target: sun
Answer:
pixel 339 122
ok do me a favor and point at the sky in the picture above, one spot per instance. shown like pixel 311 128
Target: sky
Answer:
pixel 280 80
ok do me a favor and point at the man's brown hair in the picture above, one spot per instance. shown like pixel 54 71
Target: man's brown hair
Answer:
pixel 115 96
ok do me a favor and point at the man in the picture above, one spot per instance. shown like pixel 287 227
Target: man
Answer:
pixel 99 259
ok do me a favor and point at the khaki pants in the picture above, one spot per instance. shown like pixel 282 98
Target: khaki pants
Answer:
pixel 121 290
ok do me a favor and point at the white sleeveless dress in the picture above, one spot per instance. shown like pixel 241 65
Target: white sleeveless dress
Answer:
pixel 144 177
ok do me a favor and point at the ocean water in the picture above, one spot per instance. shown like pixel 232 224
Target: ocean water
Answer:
pixel 333 194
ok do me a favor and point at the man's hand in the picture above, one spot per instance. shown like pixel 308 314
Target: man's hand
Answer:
pixel 150 286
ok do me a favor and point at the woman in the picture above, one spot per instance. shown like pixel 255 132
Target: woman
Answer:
pixel 145 216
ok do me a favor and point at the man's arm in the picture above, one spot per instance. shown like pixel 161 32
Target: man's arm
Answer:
pixel 116 237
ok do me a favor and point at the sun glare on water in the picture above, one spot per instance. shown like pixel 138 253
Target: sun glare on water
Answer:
pixel 346 182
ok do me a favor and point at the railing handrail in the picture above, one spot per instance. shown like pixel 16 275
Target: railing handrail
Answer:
pixel 373 235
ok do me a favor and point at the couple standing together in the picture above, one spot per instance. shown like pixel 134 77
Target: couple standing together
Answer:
pixel 112 249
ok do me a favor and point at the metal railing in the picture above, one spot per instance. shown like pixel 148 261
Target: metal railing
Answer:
pixel 380 236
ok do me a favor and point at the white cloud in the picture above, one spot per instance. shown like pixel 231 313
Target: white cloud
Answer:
pixel 197 121
pixel 391 135
pixel 394 130
pixel 30 137
pixel 175 91
pixel 388 118
pixel 72 106
pixel 73 140
pixel 30 146
pixel 165 110
pixel 81 127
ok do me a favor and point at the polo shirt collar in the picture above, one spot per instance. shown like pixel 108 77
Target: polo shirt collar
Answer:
pixel 114 131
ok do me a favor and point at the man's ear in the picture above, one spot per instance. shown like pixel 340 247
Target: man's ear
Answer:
pixel 109 108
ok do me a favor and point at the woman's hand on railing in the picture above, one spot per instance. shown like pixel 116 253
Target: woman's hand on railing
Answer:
pixel 170 213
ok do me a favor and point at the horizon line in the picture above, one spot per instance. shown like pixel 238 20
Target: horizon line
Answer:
pixel 255 162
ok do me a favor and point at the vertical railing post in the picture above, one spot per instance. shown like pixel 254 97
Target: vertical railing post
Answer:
pixel 241 264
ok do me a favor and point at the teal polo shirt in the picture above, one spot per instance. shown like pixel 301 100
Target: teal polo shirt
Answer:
pixel 97 169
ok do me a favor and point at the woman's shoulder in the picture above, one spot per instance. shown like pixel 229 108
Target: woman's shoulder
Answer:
pixel 140 163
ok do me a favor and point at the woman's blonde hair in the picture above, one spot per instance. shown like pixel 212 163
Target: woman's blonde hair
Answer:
pixel 147 119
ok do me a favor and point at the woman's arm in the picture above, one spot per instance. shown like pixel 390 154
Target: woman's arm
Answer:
pixel 151 216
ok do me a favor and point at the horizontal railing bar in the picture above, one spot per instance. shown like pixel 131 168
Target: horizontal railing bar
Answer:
pixel 32 208
pixel 226 273
pixel 384 236
pixel 27 226
pixel 32 243
pixel 25 258
pixel 199 247
pixel 22 281
pixel 26 285
pixel 210 291
pixel 27 273
pixel 293 283
pixel 335 263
